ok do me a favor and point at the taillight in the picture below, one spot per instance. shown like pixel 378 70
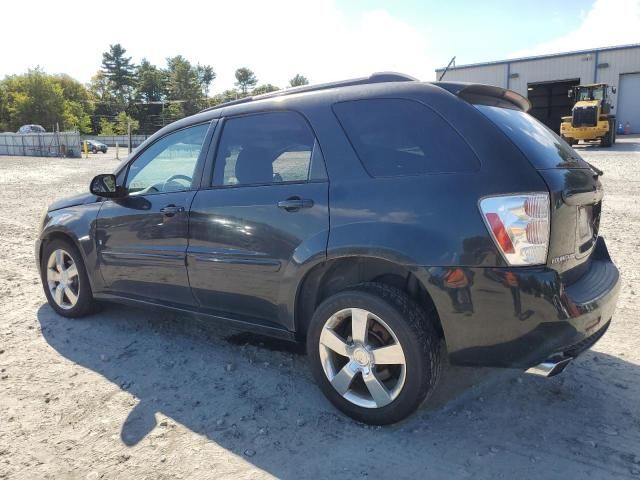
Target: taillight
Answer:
pixel 519 224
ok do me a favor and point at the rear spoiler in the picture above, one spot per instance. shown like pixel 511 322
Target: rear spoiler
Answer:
pixel 480 94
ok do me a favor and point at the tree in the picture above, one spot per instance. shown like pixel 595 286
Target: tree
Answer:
pixel 184 84
pixel 4 114
pixel 206 75
pixel 298 81
pixel 106 127
pixel 75 117
pixel 122 123
pixel 120 72
pixel 151 82
pixel 245 79
pixel 33 98
pixel 102 98
pixel 266 88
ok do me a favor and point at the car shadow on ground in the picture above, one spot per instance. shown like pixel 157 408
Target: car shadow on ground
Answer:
pixel 255 398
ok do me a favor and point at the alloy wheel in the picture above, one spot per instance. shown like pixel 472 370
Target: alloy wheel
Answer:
pixel 362 358
pixel 63 280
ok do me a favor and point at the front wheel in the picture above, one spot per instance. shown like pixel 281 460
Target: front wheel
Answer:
pixel 374 353
pixel 65 281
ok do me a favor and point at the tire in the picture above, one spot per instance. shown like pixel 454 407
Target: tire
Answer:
pixel 410 327
pixel 607 140
pixel 615 134
pixel 79 283
pixel 94 151
pixel 570 141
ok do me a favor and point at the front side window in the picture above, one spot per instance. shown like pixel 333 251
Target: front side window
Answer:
pixel 167 165
pixel 396 137
pixel 263 149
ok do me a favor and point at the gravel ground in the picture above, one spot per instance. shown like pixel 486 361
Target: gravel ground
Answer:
pixel 131 394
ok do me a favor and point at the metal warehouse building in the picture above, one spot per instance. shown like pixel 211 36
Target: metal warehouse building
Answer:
pixel 546 79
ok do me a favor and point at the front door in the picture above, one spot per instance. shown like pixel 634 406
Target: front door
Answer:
pixel 266 211
pixel 142 238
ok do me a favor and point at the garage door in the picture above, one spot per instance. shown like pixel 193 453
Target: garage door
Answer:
pixel 629 101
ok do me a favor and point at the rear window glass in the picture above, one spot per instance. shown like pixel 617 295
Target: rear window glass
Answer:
pixel 395 137
pixel 543 147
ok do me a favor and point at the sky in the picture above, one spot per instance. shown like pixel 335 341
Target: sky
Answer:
pixel 324 40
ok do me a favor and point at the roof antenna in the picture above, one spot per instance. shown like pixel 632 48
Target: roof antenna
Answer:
pixel 452 61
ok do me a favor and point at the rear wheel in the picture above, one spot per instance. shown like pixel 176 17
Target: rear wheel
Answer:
pixel 570 141
pixel 374 353
pixel 65 280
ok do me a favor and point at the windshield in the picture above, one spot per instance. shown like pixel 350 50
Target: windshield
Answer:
pixel 540 145
pixel 595 93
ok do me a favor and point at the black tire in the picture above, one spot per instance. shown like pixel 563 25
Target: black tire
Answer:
pixel 85 304
pixel 607 140
pixel 613 129
pixel 94 151
pixel 415 331
pixel 570 141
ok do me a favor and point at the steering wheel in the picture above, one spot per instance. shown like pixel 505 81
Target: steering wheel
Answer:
pixel 173 178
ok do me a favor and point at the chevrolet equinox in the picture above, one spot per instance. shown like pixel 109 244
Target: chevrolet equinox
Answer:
pixel 376 219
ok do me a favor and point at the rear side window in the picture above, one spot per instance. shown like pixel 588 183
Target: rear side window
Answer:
pixel 267 148
pixel 396 137
pixel 543 147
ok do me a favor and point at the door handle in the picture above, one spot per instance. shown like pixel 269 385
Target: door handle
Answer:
pixel 171 210
pixel 295 203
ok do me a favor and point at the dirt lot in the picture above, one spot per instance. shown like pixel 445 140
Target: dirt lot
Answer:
pixel 132 394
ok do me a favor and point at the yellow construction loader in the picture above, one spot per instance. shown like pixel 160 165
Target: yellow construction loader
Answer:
pixel 591 118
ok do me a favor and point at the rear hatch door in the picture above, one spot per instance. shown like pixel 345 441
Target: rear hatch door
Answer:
pixel 574 186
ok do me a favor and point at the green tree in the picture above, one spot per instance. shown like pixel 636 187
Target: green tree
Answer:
pixel 4 114
pixel 120 71
pixel 245 79
pixel 184 84
pixel 173 112
pixel 206 75
pixel 75 117
pixel 121 124
pixel 106 127
pixel 33 98
pixel 266 88
pixel 298 81
pixel 151 82
pixel 78 105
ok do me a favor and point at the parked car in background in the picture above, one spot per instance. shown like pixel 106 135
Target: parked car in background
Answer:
pixel 31 129
pixel 374 219
pixel 94 146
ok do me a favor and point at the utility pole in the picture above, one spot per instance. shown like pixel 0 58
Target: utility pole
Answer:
pixel 129 135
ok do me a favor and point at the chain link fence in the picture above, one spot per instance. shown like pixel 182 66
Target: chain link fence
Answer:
pixel 58 144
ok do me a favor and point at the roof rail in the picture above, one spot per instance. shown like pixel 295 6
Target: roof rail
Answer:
pixel 378 77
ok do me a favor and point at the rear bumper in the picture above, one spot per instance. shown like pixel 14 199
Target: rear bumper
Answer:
pixel 520 317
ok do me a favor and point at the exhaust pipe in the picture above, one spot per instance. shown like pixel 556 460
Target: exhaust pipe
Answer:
pixel 550 367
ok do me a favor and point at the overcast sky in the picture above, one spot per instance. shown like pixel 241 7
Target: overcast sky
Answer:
pixel 322 39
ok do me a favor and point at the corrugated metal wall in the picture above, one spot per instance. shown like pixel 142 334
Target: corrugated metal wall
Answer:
pixel 63 144
pixel 596 66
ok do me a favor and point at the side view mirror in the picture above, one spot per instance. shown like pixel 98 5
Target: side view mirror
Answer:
pixel 614 89
pixel 105 185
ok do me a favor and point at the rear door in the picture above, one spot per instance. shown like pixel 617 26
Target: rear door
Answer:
pixel 265 212
pixel 142 238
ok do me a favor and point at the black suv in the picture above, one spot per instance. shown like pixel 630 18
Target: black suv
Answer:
pixel 376 219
